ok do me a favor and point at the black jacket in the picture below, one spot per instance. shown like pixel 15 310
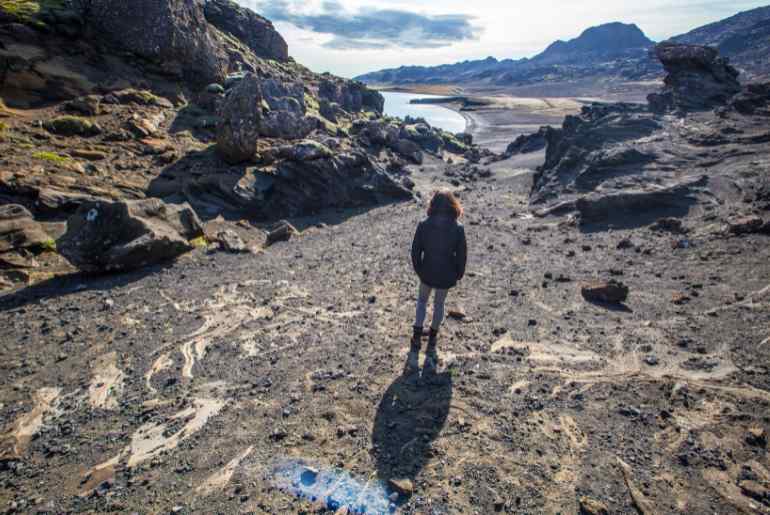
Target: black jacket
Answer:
pixel 439 251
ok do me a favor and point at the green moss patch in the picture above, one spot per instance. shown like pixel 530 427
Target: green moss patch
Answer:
pixel 51 157
pixel 27 11
pixel 200 242
pixel 48 245
pixel 72 126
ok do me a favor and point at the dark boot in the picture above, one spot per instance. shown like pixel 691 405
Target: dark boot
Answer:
pixel 432 336
pixel 416 336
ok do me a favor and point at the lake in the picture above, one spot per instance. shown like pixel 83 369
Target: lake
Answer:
pixel 397 104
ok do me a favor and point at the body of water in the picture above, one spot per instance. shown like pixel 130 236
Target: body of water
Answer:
pixel 397 104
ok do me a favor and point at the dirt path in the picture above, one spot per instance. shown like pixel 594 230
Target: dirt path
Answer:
pixel 195 383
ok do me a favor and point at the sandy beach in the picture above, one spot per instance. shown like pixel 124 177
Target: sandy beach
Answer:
pixel 496 124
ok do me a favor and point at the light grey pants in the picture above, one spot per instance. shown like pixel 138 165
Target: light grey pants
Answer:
pixel 438 306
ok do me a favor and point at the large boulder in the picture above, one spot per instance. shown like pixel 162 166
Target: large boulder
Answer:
pixel 239 121
pixel 252 29
pixel 171 33
pixel 351 96
pixel 113 236
pixel 286 109
pixel 697 78
pixel 18 230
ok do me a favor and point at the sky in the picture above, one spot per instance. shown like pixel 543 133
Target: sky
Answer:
pixel 352 37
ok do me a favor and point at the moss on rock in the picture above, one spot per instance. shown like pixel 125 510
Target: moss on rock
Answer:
pixel 72 126
pixel 51 157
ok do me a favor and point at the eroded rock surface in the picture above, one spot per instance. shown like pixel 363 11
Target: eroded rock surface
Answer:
pixel 118 236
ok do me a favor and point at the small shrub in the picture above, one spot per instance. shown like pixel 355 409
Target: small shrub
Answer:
pixel 200 242
pixel 27 10
pixel 48 245
pixel 51 157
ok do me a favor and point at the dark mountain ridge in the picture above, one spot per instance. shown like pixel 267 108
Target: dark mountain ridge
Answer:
pixel 614 48
pixel 610 51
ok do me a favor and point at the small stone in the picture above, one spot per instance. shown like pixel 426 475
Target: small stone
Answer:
pixel 404 487
pixel 651 360
pixel 629 411
pixel 457 313
pixel 680 298
pixel 283 231
pixel 590 506
pixel 610 292
pixel 756 436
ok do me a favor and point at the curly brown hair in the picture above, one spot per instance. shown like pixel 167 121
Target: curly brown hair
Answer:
pixel 445 202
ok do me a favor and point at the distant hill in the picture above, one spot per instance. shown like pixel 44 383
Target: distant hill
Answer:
pixel 743 38
pixel 611 49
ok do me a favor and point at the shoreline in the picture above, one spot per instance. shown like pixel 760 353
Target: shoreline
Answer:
pixel 496 121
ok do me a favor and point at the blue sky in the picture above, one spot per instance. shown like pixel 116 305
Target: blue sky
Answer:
pixel 351 37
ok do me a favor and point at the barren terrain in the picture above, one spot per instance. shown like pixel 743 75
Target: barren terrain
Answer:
pixel 184 388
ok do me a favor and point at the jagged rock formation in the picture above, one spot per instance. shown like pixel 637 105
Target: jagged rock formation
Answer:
pixel 623 163
pixel 697 78
pixel 743 38
pixel 172 33
pixel 247 26
pixel 114 236
pixel 80 47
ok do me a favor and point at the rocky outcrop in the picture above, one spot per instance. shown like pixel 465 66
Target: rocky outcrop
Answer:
pixel 239 121
pixel 621 164
pixel 172 33
pixel 351 96
pixel 285 116
pixel 526 143
pixel 18 230
pixel 697 78
pixel 252 29
pixel 590 149
pixel 292 180
pixel 115 236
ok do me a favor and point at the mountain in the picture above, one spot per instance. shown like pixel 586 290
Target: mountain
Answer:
pixel 743 38
pixel 609 51
pixel 612 49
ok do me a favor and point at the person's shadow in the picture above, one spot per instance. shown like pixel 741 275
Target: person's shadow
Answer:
pixel 410 417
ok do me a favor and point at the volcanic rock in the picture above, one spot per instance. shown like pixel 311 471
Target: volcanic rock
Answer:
pixel 745 224
pixel 125 235
pixel 697 78
pixel 282 231
pixel 351 96
pixel 526 143
pixel 590 506
pixel 18 230
pixel 231 241
pixel 255 31
pixel 173 33
pixel 239 122
pixel 608 292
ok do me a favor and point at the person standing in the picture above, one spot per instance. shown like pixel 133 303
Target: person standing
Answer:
pixel 439 254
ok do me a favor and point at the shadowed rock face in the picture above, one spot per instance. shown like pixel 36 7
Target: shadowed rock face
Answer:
pixel 105 236
pixel 255 31
pixel 238 128
pixel 697 78
pixel 173 32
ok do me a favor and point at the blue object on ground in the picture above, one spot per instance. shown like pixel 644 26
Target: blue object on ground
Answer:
pixel 334 487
